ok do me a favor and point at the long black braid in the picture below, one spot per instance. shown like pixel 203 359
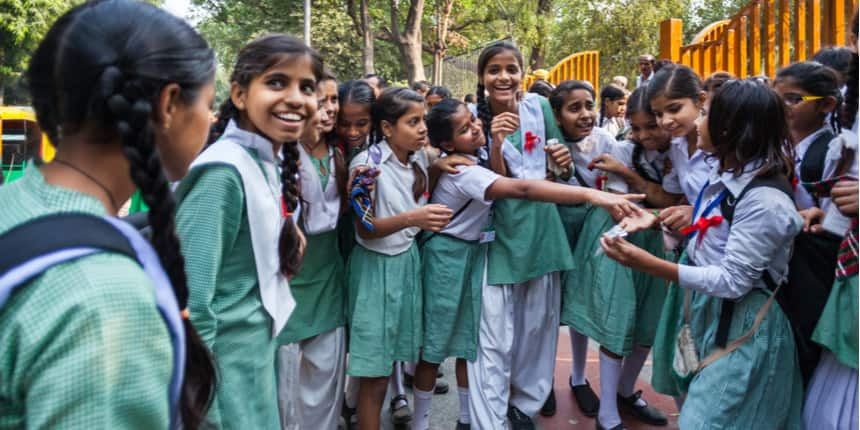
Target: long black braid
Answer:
pixel 101 66
pixel 288 243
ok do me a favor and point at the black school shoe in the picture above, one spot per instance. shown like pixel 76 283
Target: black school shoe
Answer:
pixel 548 408
pixel 647 414
pixel 586 399
pixel 598 426
pixel 461 426
pixel 519 420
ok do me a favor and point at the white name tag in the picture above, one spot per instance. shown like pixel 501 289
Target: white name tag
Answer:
pixel 487 236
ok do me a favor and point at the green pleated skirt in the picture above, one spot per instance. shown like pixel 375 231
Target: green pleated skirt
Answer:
pixel 756 386
pixel 606 301
pixel 453 277
pixel 384 310
pixel 837 328
pixel 319 290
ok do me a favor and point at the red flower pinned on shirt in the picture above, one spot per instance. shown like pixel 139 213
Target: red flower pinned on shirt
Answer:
pixel 600 181
pixel 532 140
pixel 794 182
pixel 702 225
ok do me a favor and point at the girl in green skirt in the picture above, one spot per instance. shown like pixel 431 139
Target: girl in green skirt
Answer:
pixel 384 274
pixel 454 260
pixel 754 382
pixel 313 343
pixel 603 300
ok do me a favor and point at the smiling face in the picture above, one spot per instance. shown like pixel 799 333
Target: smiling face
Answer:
pixel 576 117
pixel 330 103
pixel 502 77
pixel 647 132
pixel 280 102
pixel 408 133
pixel 353 124
pixel 467 135
pixel 677 116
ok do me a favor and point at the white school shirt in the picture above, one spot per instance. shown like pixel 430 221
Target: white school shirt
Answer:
pixel 652 160
pixel 688 175
pixel 392 195
pixel 598 142
pixel 322 207
pixel 834 222
pixel 801 196
pixel 730 262
pixel 467 187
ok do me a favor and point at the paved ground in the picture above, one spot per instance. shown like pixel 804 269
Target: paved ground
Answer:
pixel 445 407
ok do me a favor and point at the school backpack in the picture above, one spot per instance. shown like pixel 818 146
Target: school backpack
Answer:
pixel 804 294
pixel 32 248
pixel 812 165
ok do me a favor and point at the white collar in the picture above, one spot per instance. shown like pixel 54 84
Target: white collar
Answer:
pixel 263 146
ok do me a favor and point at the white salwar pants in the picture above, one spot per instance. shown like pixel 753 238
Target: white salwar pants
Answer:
pixel 311 376
pixel 516 350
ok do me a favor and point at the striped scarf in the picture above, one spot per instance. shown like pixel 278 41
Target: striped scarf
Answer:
pixel 846 260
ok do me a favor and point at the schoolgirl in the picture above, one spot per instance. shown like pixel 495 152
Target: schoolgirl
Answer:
pixel 94 339
pixel 612 104
pixel 353 121
pixel 239 260
pixel 811 93
pixel 831 398
pixel 513 371
pixel 741 373
pixel 454 260
pixel 436 94
pixel 604 301
pixel 384 268
pixel 316 327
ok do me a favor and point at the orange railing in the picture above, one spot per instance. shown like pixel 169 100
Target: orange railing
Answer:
pixel 762 36
pixel 584 66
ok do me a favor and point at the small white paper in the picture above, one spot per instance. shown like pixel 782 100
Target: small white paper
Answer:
pixel 614 232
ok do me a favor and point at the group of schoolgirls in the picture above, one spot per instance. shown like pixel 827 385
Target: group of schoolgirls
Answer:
pixel 772 175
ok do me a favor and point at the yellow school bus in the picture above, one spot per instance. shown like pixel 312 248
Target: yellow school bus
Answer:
pixel 21 140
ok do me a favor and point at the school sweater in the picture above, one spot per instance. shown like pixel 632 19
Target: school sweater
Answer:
pixel 82 346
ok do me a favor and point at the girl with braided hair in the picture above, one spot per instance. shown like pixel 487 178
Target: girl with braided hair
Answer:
pixel 528 251
pixel 313 343
pixel 126 107
pixel 245 186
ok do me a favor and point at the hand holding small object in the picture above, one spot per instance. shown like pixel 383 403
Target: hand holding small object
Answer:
pixel 676 217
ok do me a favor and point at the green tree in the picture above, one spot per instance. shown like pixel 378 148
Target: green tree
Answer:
pixel 22 25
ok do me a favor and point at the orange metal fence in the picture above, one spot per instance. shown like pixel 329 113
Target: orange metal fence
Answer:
pixel 763 36
pixel 584 66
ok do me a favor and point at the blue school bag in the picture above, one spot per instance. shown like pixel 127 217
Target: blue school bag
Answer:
pixel 35 246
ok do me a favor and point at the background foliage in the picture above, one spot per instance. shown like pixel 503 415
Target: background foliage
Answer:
pixel 545 30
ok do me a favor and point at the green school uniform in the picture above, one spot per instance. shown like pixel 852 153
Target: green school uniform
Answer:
pixel 83 345
pixel 606 301
pixel 225 303
pixel 453 275
pixel 385 310
pixel 318 289
pixel 530 238
pixel 837 327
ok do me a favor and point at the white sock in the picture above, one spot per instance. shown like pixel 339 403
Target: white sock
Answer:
pixel 421 417
pixel 610 373
pixel 351 396
pixel 579 350
pixel 630 369
pixel 464 405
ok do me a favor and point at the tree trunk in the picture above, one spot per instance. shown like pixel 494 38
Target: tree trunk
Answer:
pixel 537 59
pixel 367 35
pixel 409 40
pixel 443 12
